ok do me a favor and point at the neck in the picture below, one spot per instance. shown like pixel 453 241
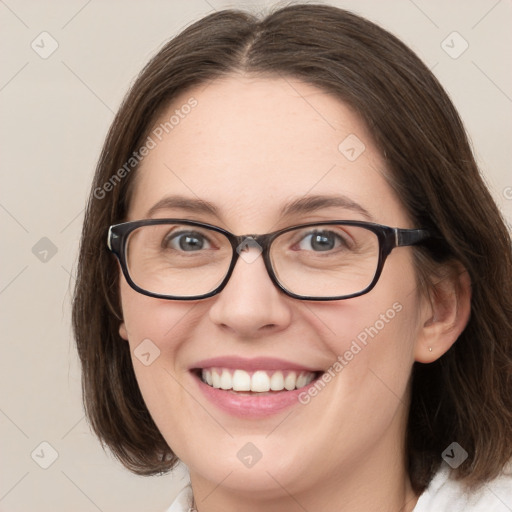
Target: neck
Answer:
pixel 401 499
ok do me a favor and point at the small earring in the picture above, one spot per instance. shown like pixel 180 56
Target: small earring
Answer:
pixel 430 349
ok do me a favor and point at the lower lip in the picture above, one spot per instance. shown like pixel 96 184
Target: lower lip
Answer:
pixel 255 405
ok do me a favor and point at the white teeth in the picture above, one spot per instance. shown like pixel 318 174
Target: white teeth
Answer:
pixel 277 381
pixel 226 382
pixel 259 382
pixel 241 381
pixel 215 378
pixel 290 380
pixel 301 381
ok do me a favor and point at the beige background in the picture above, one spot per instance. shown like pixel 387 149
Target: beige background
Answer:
pixel 55 113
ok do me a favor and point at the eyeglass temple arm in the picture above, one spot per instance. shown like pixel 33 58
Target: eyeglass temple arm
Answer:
pixel 112 239
pixel 404 237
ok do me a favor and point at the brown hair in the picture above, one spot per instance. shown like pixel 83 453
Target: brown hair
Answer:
pixel 465 396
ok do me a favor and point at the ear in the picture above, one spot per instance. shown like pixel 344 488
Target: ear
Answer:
pixel 123 332
pixel 445 314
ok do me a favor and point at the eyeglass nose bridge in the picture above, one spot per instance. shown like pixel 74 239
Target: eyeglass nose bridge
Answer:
pixel 258 243
pixel 249 248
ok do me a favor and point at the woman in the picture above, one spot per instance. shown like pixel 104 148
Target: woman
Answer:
pixel 293 279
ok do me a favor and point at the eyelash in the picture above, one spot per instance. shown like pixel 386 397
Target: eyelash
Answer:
pixel 344 240
pixel 175 236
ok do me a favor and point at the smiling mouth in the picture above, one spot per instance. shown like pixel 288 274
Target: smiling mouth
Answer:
pixel 259 381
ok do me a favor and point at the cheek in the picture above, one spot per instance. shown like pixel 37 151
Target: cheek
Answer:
pixel 147 318
pixel 372 337
pixel 373 347
pixel 156 329
pixel 366 336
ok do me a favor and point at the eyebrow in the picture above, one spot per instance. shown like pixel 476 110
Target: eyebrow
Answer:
pixel 184 203
pixel 304 205
pixel 311 204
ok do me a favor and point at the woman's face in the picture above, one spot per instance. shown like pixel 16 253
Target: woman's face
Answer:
pixel 249 148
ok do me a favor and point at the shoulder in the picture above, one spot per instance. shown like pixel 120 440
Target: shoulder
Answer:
pixel 447 495
pixel 183 502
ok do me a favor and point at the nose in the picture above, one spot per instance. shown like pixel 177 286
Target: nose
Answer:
pixel 250 306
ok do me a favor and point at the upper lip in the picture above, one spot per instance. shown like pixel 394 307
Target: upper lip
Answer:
pixel 253 364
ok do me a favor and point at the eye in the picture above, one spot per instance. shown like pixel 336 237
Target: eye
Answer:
pixel 189 241
pixel 321 241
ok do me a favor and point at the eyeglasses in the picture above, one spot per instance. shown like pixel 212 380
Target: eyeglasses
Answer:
pixel 187 260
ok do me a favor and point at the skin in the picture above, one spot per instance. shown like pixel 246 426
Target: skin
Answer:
pixel 248 147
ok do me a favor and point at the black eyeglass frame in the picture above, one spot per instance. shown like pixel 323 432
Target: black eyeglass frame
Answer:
pixel 388 238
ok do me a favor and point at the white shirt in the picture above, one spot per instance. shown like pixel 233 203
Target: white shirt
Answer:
pixel 183 502
pixel 442 495
pixel 446 495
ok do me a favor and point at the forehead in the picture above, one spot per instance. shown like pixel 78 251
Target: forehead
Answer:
pixel 248 145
